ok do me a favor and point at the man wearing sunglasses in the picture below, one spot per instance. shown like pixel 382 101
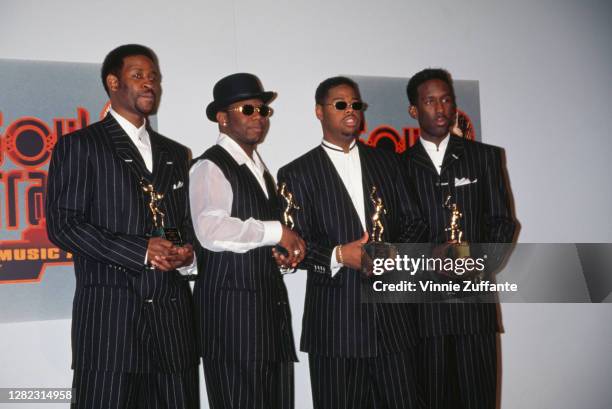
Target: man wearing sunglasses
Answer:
pixel 360 354
pixel 244 321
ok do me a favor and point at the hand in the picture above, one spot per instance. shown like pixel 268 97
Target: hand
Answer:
pixel 352 252
pixel 158 250
pixel 295 246
pixel 183 256
pixel 283 261
pixel 440 251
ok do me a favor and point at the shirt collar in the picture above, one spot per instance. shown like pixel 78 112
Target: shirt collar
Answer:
pixel 239 155
pixel 332 147
pixel 431 147
pixel 136 134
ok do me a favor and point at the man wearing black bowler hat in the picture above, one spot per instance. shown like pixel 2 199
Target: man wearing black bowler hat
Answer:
pixel 244 321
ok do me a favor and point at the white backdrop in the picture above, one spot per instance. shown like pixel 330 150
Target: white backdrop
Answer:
pixel 545 73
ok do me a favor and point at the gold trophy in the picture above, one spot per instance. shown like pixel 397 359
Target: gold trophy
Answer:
pixel 459 248
pixel 376 248
pixel 288 208
pixel 171 234
pixel 290 205
pixel 377 226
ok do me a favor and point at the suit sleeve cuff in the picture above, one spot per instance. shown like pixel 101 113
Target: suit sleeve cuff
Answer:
pixel 334 265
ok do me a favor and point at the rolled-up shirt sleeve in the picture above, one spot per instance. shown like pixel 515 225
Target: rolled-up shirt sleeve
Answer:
pixel 210 197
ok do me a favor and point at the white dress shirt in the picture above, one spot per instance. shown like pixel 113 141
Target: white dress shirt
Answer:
pixel 140 137
pixel 436 152
pixel 348 166
pixel 211 197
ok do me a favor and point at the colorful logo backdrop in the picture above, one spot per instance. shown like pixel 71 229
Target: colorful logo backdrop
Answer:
pixel 40 102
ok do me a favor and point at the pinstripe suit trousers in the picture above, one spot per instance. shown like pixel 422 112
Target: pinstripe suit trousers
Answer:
pixel 386 381
pixel 459 371
pixel 124 390
pixel 242 384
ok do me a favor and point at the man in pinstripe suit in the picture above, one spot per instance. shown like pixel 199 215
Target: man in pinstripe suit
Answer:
pixel 244 321
pixel 133 339
pixel 360 355
pixel 458 348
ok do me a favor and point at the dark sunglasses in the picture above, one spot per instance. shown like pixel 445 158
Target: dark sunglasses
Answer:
pixel 248 110
pixel 343 105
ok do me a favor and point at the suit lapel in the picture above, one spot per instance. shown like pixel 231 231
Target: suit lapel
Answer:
pixel 163 163
pixel 454 152
pixel 125 148
pixel 271 188
pixel 342 194
pixel 420 157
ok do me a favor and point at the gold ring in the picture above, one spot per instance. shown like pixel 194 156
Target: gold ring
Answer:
pixel 296 252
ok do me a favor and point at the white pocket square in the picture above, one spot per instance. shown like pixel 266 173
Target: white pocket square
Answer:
pixel 464 181
pixel 177 185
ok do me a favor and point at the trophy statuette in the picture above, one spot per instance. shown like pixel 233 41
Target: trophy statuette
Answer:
pixel 171 234
pixel 377 225
pixel 376 248
pixel 288 208
pixel 459 248
pixel 290 205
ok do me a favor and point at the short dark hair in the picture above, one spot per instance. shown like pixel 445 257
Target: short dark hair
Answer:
pixel 426 75
pixel 324 87
pixel 113 62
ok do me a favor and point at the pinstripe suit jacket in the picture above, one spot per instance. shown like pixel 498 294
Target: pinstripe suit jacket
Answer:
pixel 487 218
pixel 335 322
pixel 125 318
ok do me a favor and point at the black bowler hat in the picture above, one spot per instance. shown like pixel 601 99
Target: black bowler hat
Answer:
pixel 234 88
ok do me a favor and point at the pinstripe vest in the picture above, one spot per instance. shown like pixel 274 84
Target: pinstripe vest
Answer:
pixel 248 201
pixel 241 297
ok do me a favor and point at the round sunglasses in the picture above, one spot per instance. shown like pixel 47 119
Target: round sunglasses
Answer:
pixel 248 110
pixel 343 105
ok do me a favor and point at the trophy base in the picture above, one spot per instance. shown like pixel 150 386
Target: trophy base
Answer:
pixel 459 250
pixel 171 234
